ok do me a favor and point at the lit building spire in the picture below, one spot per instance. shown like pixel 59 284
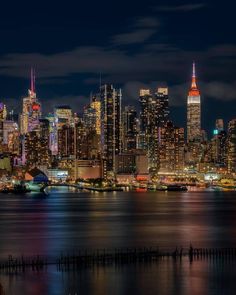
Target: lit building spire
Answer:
pixel 32 80
pixel 194 90
pixel 194 85
pixel 194 110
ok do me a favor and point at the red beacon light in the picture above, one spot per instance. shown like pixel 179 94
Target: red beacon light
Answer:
pixel 36 107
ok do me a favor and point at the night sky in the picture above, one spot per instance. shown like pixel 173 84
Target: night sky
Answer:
pixel 132 44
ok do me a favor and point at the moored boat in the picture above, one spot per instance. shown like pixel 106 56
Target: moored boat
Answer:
pixel 176 187
pixel 16 189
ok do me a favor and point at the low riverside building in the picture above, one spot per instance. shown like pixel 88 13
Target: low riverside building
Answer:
pixel 84 169
pixel 88 169
pixel 131 167
pixel 57 175
pixel 131 163
pixel 5 164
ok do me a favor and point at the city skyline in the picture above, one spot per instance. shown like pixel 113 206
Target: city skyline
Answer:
pixel 120 139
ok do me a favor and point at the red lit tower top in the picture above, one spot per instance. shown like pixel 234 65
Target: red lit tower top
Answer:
pixel 194 91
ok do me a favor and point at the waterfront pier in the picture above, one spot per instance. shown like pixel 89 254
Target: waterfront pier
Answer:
pixel 117 256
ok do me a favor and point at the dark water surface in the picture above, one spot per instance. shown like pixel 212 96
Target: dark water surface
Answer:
pixel 64 222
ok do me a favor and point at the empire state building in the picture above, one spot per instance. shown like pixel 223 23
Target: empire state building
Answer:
pixel 194 111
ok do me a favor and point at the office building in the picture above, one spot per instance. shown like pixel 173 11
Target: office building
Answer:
pixel 171 148
pixel 129 129
pixel 31 110
pixel 162 106
pixel 194 111
pixel 111 136
pixel 36 146
pixel 232 146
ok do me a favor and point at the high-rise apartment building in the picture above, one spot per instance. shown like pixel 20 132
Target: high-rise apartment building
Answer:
pixel 219 144
pixel 171 148
pixel 63 116
pixel 145 99
pixel 129 129
pixel 96 105
pixel 111 125
pixel 53 145
pixel 89 117
pixel 232 146
pixel 76 141
pixel 36 147
pixel 66 148
pixel 2 119
pixel 162 106
pixel 154 114
pixel 11 137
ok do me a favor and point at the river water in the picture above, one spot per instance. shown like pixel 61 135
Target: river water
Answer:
pixel 65 221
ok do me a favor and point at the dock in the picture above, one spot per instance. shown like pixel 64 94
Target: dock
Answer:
pixel 83 187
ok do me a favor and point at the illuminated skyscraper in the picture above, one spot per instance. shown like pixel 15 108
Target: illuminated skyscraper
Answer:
pixel 11 136
pixel 2 119
pixel 154 114
pixel 92 125
pixel 31 111
pixel 77 140
pixel 66 141
pixel 111 124
pixel 162 106
pixel 129 129
pixel 171 148
pixel 52 134
pixel 194 111
pixel 62 117
pixel 232 146
pixel 3 112
pixel 219 125
pixel 89 117
pixel 219 144
pixel 145 99
pixel 96 105
pixel 36 147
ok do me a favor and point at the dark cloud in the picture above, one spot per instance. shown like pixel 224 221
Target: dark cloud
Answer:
pixel 161 47
pixel 53 81
pixel 220 90
pixel 148 22
pixel 178 94
pixel 143 28
pixel 12 103
pixel 138 36
pixel 226 50
pixel 163 61
pixel 181 8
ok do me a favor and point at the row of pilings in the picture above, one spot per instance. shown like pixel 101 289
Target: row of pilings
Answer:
pixel 116 256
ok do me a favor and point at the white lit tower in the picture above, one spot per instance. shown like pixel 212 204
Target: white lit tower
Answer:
pixel 194 111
